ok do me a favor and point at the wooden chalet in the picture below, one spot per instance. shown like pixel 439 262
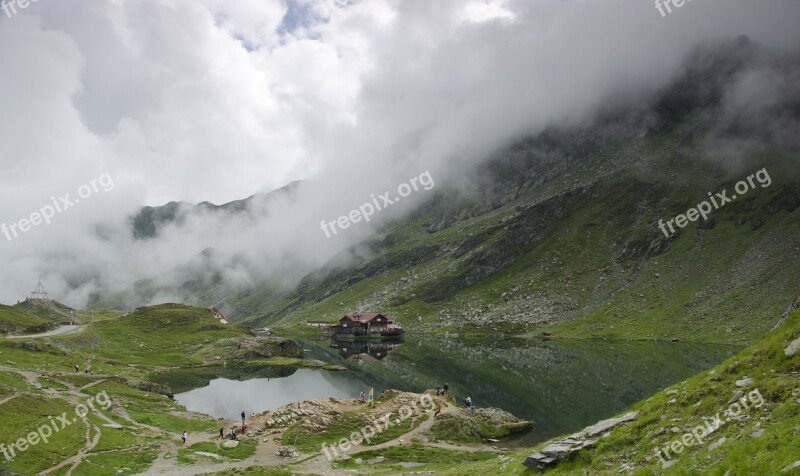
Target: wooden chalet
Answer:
pixel 367 325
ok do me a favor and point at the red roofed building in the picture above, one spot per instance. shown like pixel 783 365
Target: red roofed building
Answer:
pixel 368 324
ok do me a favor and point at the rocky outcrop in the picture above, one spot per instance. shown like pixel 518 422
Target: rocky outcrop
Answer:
pixel 314 415
pixel 248 348
pixel 151 387
pixel 551 454
pixel 460 426
pixel 792 307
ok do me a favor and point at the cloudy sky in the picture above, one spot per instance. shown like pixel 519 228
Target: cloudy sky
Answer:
pixel 215 100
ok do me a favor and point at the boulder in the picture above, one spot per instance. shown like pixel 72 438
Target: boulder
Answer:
pixel 230 444
pixel 736 396
pixel 793 348
pixel 563 449
pixel 288 452
pixel 717 444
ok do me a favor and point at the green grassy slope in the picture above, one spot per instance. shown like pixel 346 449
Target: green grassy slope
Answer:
pixel 13 321
pixel 50 310
pixel 152 336
pixel 583 258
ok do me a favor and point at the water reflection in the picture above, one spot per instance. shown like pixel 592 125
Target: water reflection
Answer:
pixel 365 351
pixel 562 385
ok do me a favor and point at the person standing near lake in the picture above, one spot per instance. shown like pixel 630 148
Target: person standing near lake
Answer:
pixel 222 432
pixel 445 388
pixel 243 416
pixel 183 437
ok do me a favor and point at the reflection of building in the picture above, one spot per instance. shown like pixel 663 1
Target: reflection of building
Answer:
pixel 367 325
pixel 363 350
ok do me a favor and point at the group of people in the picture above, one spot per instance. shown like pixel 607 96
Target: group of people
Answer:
pixel 232 434
pixel 445 390
pixel 468 404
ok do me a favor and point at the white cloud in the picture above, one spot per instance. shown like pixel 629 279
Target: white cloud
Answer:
pixel 216 100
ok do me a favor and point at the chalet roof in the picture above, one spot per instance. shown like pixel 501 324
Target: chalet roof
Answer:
pixel 364 317
pixel 218 313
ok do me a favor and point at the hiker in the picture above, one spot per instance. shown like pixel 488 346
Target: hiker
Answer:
pixel 468 402
pixel 438 411
pixel 77 368
pixel 438 391
pixel 222 432
pixel 446 388
pixel 233 434
pixel 472 409
pixel 183 437
pixel 243 415
pixel 244 428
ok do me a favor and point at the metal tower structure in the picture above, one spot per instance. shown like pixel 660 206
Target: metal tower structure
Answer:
pixel 39 294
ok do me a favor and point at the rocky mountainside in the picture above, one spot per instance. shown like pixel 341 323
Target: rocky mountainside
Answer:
pixel 560 231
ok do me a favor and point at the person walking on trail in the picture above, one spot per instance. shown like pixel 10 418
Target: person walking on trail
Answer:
pixel 438 391
pixel 472 410
pixel 183 437
pixel 468 402
pixel 243 416
pixel 77 368
pixel 222 432
pixel 446 388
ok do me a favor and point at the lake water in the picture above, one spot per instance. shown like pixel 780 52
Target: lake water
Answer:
pixel 227 398
pixel 561 385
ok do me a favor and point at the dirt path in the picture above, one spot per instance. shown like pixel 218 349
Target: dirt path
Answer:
pixel 266 448
pixel 265 455
pixel 8 398
pixel 75 397
pixel 55 332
